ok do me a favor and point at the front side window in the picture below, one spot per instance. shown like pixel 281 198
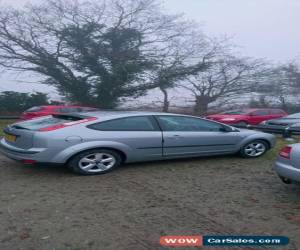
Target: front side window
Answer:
pixel 181 123
pixel 277 112
pixel 141 123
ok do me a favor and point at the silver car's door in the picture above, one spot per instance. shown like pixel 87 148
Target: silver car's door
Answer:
pixel 140 133
pixel 185 135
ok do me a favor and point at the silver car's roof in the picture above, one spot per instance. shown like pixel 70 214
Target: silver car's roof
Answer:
pixel 116 114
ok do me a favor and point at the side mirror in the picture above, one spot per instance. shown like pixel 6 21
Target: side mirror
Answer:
pixel 226 129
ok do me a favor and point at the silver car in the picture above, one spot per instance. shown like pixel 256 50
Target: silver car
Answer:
pixel 97 142
pixel 287 165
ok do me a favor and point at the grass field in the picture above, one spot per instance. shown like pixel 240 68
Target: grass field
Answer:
pixel 3 124
pixel 130 208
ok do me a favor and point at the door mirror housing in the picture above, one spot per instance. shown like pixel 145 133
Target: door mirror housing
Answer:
pixel 227 129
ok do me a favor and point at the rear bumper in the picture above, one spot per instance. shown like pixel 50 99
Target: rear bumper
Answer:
pixel 20 154
pixel 287 171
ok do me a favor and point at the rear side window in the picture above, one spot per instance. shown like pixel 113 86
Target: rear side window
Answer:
pixel 35 109
pixel 140 123
pixel 261 112
pixel 45 122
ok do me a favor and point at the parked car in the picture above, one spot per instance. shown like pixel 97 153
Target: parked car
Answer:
pixel 53 109
pixel 244 117
pixel 97 142
pixel 287 165
pixel 292 120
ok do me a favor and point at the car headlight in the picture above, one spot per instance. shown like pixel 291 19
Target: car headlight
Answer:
pixel 263 123
pixel 228 119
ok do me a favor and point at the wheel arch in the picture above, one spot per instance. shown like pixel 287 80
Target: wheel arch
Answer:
pixel 120 152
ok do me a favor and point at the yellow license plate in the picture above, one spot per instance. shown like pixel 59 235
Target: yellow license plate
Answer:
pixel 9 137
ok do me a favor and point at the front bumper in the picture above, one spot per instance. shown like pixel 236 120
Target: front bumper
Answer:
pixel 287 171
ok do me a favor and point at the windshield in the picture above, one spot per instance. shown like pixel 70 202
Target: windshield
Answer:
pixel 236 112
pixel 293 116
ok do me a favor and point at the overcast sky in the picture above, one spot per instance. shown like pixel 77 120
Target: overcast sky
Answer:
pixel 261 28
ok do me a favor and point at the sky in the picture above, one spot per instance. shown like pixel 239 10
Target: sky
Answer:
pixel 261 28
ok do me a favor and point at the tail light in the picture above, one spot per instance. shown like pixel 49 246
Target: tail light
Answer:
pixel 28 162
pixel 286 152
pixel 67 124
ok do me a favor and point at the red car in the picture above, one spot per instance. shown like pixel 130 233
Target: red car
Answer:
pixel 247 116
pixel 53 110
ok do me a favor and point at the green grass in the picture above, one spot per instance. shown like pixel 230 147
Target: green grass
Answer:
pixel 281 143
pixel 3 124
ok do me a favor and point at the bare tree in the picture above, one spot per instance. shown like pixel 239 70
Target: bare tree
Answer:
pixel 188 55
pixel 281 84
pixel 226 77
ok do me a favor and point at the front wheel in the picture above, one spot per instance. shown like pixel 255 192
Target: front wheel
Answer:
pixel 96 161
pixel 254 149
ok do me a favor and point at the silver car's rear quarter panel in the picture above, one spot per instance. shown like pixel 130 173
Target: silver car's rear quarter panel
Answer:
pixel 37 154
pixel 288 171
pixel 290 168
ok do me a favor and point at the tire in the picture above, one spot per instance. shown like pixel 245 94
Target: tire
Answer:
pixel 254 149
pixel 95 161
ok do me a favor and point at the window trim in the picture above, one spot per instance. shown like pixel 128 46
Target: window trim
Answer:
pixel 192 117
pixel 149 117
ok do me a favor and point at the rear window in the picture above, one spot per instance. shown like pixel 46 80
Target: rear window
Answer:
pixel 294 116
pixel 87 109
pixel 35 109
pixel 68 110
pixel 45 122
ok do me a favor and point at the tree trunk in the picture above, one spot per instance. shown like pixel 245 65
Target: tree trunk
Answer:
pixel 201 105
pixel 166 102
pixel 283 103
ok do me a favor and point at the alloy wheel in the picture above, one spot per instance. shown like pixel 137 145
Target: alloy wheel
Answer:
pixel 97 162
pixel 255 149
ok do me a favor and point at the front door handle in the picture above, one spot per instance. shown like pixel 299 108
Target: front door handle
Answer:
pixel 175 137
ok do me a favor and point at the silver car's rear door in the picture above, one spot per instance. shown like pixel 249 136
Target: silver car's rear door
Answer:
pixel 192 136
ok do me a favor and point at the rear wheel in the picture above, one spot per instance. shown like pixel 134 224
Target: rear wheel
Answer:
pixel 96 161
pixel 254 149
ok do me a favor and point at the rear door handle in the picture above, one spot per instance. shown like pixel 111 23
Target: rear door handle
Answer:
pixel 175 137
